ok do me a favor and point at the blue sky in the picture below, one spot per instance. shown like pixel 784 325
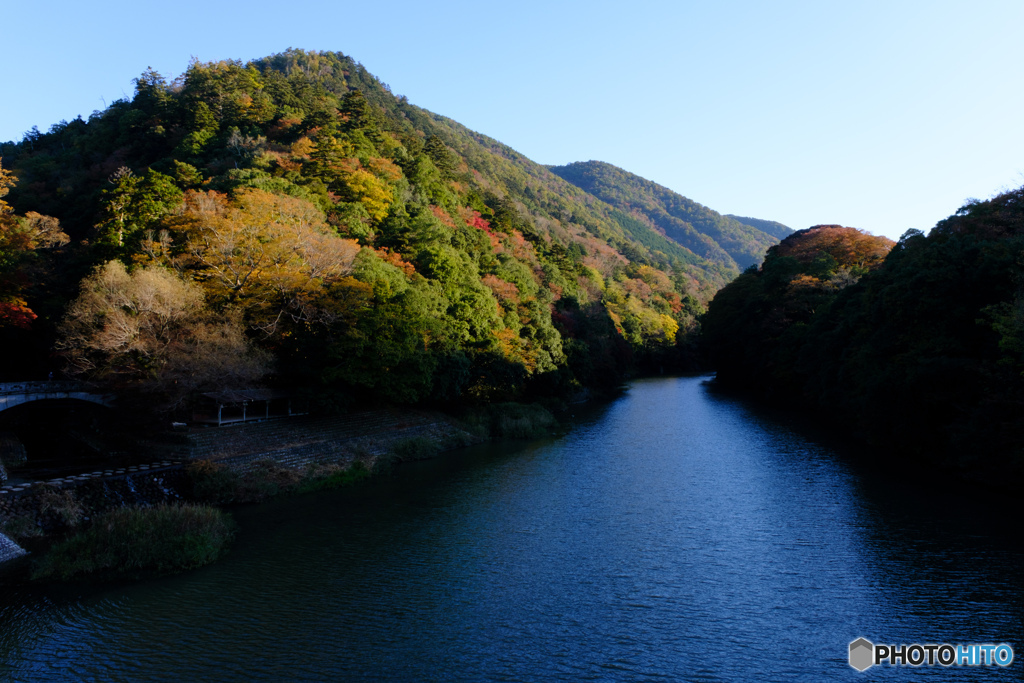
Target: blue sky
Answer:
pixel 879 115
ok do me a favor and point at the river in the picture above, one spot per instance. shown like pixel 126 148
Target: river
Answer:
pixel 673 534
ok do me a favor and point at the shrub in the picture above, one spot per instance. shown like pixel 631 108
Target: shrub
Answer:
pixel 61 504
pixel 212 483
pixel 416 448
pixel 130 541
pixel 265 480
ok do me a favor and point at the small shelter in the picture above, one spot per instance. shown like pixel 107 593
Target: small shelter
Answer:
pixel 242 405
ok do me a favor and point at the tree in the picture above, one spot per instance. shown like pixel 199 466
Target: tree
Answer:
pixel 442 157
pixel 7 181
pixel 833 247
pixel 151 92
pixel 755 326
pixel 269 255
pixel 20 238
pixel 150 329
pixel 202 127
pixel 370 191
pixel 326 157
pixel 133 205
pixel 356 110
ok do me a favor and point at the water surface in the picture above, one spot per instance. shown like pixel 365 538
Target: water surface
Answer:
pixel 674 534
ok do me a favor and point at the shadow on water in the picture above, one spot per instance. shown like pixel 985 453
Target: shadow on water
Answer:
pixel 882 473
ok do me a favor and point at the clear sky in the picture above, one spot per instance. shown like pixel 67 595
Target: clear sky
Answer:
pixel 879 115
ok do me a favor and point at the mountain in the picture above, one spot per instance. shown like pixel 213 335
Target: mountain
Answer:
pixel 304 226
pixel 773 228
pixel 708 234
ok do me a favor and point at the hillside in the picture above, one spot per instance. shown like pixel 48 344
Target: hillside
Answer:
pixel 773 228
pixel 719 239
pixel 919 352
pixel 303 226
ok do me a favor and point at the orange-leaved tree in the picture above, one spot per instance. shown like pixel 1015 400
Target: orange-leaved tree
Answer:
pixel 20 237
pixel 273 257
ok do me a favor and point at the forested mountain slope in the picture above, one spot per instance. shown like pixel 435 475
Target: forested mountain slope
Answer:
pixel 773 228
pixel 717 238
pixel 290 221
pixel 920 351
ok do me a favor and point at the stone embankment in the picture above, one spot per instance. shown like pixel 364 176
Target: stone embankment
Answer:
pixel 302 441
pixel 55 505
pixel 9 550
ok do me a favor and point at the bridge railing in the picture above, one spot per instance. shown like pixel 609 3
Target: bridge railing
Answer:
pixel 42 387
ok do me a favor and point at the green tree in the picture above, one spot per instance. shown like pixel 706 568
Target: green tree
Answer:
pixel 355 110
pixel 443 158
pixel 133 205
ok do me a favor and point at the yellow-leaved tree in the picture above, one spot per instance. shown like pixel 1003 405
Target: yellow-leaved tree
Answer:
pixel 370 191
pixel 273 257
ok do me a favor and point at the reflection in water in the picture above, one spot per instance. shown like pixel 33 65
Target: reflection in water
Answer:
pixel 674 534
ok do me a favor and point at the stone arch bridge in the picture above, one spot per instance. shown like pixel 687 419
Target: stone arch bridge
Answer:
pixel 16 393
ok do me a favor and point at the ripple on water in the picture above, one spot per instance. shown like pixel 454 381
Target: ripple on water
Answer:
pixel 673 535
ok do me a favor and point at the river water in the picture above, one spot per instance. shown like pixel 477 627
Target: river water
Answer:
pixel 673 534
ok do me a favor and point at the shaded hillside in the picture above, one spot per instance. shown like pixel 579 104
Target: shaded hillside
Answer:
pixel 304 226
pixel 923 354
pixel 773 228
pixel 709 234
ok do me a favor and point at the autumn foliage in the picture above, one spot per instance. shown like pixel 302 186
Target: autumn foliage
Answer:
pixel 151 329
pixel 291 222
pixel 22 240
pixel 850 248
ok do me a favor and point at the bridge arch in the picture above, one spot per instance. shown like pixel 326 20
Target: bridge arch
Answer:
pixel 18 393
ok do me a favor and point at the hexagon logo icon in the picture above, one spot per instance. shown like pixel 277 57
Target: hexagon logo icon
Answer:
pixel 862 654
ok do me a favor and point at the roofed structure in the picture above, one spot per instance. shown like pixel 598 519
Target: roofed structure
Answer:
pixel 232 406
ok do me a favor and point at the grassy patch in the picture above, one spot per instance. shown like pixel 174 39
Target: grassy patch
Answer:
pixel 327 477
pixel 510 421
pixel 132 541
pixel 215 484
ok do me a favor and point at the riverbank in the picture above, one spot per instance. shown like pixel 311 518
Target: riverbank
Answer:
pixel 249 463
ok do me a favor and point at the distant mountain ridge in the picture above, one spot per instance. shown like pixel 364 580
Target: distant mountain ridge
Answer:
pixel 720 239
pixel 773 228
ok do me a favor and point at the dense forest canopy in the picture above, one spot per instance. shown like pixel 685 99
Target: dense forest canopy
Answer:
pixel 290 221
pixel 917 346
